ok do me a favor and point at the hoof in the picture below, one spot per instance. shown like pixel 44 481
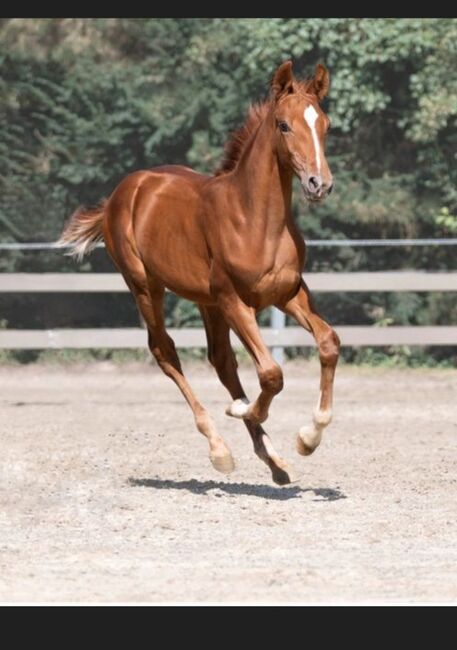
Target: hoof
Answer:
pixel 224 464
pixel 238 409
pixel 303 449
pixel 243 411
pixel 280 475
pixel 308 439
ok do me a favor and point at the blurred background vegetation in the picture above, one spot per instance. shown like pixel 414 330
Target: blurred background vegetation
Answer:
pixel 84 102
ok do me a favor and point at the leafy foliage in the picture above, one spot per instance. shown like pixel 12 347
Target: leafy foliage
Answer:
pixel 83 102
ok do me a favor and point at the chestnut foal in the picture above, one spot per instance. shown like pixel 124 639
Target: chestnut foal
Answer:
pixel 229 243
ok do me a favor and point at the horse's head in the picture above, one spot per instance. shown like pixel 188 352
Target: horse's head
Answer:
pixel 301 126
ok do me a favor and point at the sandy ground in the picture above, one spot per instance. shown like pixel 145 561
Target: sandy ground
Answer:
pixel 107 494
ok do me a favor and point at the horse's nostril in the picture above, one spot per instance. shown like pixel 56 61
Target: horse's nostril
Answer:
pixel 330 189
pixel 314 184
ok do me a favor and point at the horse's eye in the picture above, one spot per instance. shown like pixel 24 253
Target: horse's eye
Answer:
pixel 284 127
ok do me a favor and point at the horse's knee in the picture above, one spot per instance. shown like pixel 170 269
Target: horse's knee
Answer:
pixel 271 379
pixel 329 348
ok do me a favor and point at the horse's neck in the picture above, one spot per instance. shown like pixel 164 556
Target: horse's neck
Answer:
pixel 265 187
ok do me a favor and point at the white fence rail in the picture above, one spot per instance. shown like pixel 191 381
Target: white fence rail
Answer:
pixel 318 282
pixel 276 336
pixel 351 335
pixel 333 243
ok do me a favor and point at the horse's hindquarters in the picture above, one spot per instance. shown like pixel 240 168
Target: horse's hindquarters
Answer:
pixel 153 222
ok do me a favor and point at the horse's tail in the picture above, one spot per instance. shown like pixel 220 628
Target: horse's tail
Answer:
pixel 83 231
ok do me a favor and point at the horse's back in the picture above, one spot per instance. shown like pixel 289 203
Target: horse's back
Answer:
pixel 157 214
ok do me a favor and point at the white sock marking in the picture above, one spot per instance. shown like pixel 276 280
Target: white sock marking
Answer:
pixel 310 114
pixel 322 416
pixel 239 407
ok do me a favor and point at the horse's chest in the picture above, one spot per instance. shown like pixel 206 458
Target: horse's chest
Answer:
pixel 273 286
pixel 277 285
pixel 265 272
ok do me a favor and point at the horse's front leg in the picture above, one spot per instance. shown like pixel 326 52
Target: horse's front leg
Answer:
pixel 242 319
pixel 301 307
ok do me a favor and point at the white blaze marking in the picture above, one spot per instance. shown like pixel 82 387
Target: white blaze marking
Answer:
pixel 310 114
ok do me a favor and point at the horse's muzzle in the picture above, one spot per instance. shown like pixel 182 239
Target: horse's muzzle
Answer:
pixel 317 195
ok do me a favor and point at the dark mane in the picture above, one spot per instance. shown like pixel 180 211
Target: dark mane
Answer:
pixel 236 144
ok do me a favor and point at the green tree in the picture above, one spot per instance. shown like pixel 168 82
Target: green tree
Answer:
pixel 83 102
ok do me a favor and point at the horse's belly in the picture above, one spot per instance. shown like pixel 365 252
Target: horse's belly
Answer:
pixel 181 271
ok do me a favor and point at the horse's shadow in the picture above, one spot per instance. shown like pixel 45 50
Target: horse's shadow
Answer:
pixel 262 491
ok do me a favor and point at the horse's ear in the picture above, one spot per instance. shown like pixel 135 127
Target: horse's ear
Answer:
pixel 283 80
pixel 320 83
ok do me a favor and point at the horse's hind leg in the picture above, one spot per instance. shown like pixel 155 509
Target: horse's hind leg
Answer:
pixel 301 307
pixel 222 357
pixel 150 302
